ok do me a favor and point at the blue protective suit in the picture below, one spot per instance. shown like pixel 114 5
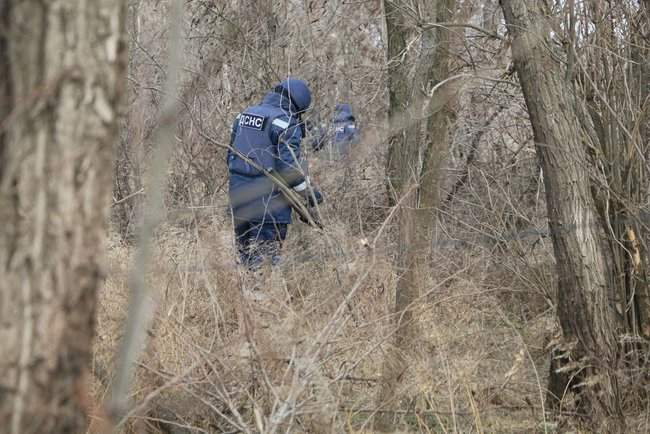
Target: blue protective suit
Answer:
pixel 345 129
pixel 269 134
pixel 338 136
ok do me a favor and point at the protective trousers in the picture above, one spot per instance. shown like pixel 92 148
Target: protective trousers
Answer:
pixel 258 241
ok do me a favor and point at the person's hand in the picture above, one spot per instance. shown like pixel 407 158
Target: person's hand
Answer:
pixel 317 195
pixel 309 197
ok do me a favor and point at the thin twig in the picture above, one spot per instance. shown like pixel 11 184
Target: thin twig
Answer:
pixel 124 199
pixel 427 26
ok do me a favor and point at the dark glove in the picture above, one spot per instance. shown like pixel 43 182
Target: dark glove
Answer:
pixel 307 195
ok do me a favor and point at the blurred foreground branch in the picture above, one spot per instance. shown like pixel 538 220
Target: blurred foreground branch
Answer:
pixel 141 305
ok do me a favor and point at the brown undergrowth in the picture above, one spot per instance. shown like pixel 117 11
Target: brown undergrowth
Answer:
pixel 299 348
pixel 307 357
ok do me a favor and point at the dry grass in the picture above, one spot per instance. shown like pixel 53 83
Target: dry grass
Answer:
pixel 306 361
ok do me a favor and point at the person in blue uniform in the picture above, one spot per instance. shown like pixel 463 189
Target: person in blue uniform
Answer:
pixel 343 132
pixel 345 129
pixel 268 134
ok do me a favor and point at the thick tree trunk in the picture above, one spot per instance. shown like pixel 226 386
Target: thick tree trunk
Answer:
pixel 437 140
pixel 5 84
pixel 400 95
pixel 403 145
pixel 587 295
pixel 66 76
pixel 413 171
pixel 641 77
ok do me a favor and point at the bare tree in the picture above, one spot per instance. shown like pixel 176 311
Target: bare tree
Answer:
pixel 415 153
pixel 595 173
pixel 61 94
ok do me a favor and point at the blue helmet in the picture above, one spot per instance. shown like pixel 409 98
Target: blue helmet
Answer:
pixel 298 91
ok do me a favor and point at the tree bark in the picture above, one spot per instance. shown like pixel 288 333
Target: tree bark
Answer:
pixel 403 145
pixel 641 79
pixel 66 77
pixel 5 84
pixel 413 170
pixel 586 295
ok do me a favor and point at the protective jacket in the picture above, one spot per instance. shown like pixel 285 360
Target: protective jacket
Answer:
pixel 269 134
pixel 345 129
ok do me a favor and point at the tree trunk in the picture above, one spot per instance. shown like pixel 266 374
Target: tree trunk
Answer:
pixel 641 79
pixel 5 84
pixel 587 292
pixel 413 171
pixel 400 95
pixel 65 80
pixel 437 128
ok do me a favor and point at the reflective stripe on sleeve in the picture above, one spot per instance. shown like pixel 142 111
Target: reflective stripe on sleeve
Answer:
pixel 300 187
pixel 280 123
